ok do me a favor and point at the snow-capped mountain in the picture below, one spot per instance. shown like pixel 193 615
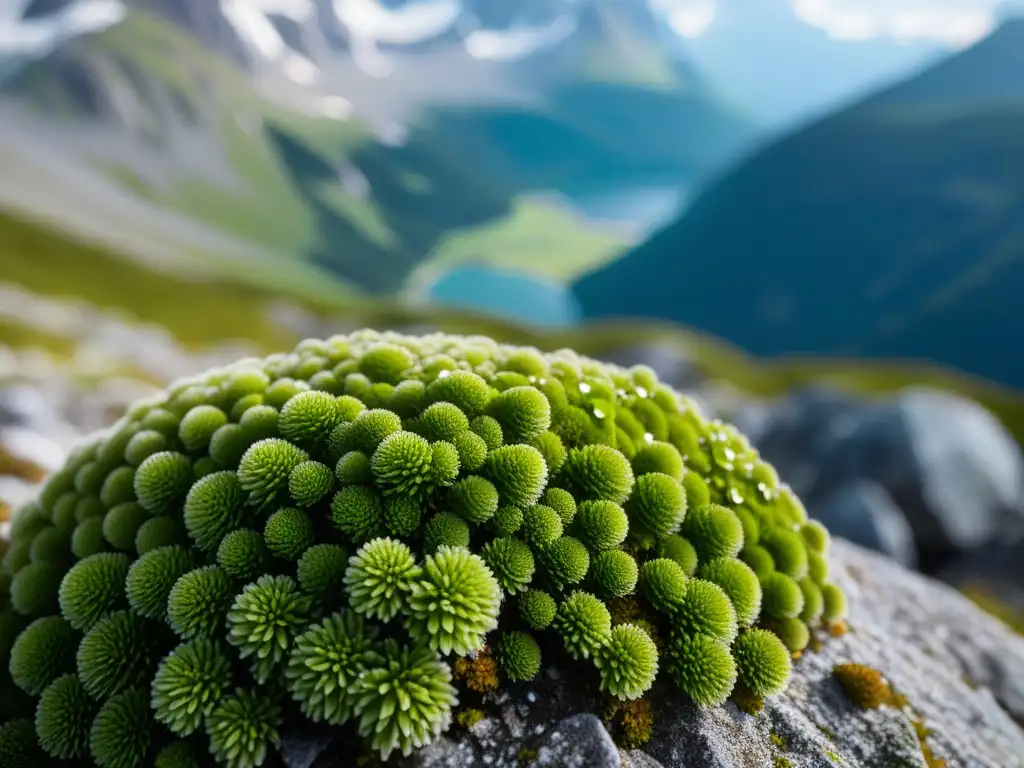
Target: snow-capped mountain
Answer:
pixel 350 135
pixel 376 125
pixel 773 59
pixel 33 28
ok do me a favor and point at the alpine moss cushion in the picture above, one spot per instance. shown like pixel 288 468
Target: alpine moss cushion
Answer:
pixel 321 534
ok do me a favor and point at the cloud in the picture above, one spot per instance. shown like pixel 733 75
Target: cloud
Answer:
pixel 687 18
pixel 412 22
pixel 953 22
pixel 519 42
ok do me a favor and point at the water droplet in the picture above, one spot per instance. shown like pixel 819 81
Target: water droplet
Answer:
pixel 641 392
pixel 730 454
pixel 444 374
pixel 598 413
pixel 584 387
pixel 735 496
pixel 648 437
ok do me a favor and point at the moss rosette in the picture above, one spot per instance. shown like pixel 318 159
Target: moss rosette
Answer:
pixel 450 496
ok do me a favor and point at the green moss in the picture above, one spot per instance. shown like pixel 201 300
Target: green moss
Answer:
pixel 469 717
pixel 630 722
pixel 988 601
pixel 526 755
pixel 353 525
pixel 746 701
pixel 48 264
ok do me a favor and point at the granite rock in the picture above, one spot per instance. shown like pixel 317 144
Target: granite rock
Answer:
pixel 960 670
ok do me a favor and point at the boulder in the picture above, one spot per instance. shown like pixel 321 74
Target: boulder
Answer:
pixel 673 364
pixel 863 512
pixel 23 406
pixel 960 670
pixel 946 462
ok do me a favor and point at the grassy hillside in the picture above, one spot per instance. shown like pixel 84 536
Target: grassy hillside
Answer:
pixel 146 106
pixel 199 310
pixel 538 238
pixel 893 229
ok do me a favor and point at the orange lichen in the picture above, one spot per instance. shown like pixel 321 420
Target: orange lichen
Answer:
pixel 480 673
pixel 838 628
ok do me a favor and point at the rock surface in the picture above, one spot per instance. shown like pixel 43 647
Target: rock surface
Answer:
pixel 961 671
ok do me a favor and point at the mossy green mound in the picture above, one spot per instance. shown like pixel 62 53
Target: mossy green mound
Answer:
pixel 339 524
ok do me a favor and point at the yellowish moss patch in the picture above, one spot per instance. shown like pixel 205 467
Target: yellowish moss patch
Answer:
pixel 863 685
pixel 478 674
pixel 630 722
pixel 984 598
pixel 23 469
pixel 746 701
pixel 469 717
pixel 867 687
pixel 838 628
pixel 527 755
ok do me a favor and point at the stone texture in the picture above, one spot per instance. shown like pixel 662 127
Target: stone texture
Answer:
pixel 961 671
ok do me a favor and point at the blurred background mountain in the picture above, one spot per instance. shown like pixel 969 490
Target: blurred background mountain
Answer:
pixel 835 186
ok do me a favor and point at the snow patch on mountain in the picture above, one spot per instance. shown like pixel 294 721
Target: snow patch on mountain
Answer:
pixel 20 37
pixel 414 22
pixel 518 42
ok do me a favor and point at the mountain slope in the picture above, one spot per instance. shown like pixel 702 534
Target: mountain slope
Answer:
pixel 149 106
pixel 762 54
pixel 615 109
pixel 176 112
pixel 894 228
pixel 292 151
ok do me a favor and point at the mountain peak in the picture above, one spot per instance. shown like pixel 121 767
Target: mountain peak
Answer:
pixel 883 230
pixel 1010 11
pixel 987 71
